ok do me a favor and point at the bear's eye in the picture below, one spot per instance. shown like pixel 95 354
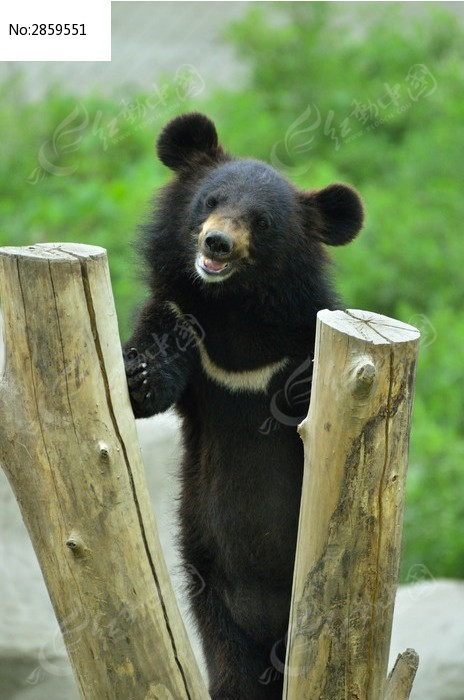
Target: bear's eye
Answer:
pixel 211 202
pixel 263 221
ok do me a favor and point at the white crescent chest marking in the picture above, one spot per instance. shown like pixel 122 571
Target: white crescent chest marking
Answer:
pixel 252 380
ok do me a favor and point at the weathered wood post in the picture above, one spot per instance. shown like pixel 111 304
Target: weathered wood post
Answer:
pixel 69 447
pixel 356 438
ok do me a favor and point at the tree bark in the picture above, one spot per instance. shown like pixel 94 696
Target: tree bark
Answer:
pixel 356 439
pixel 70 450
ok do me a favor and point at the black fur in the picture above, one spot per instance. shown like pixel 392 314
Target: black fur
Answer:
pixel 243 462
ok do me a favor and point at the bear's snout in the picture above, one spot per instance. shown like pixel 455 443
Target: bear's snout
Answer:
pixel 218 243
pixel 222 237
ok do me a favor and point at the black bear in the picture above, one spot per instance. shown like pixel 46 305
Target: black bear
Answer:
pixel 238 272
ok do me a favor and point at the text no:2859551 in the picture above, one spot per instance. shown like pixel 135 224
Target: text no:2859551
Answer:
pixel 47 29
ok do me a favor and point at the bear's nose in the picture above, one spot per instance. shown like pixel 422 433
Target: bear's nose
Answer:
pixel 219 243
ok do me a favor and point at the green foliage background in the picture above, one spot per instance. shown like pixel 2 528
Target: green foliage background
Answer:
pixel 328 98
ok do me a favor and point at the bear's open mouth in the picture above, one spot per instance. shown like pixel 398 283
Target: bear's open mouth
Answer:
pixel 212 269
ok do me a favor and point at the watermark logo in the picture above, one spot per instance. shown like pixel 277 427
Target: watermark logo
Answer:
pixel 67 138
pixel 277 657
pixel 188 81
pixel 186 333
pixel 299 138
pixel 289 405
pixel 134 115
pixel 52 655
pixel 197 583
pixel 421 82
pixel 428 334
pixel 366 115
pixel 423 580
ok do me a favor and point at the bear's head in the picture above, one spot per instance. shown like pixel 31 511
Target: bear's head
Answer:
pixel 240 217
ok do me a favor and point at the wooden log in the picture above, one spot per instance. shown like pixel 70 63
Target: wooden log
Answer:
pixel 401 678
pixel 356 439
pixel 69 447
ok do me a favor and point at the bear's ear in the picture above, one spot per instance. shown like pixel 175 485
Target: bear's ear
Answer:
pixel 338 211
pixel 185 138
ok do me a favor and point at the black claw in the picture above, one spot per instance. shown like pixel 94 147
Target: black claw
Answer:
pixel 138 379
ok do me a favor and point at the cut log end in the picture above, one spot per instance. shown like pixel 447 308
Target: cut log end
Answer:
pixel 368 326
pixel 55 251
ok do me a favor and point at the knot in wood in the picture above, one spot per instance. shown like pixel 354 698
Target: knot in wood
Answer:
pixel 364 376
pixel 76 544
pixel 104 451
